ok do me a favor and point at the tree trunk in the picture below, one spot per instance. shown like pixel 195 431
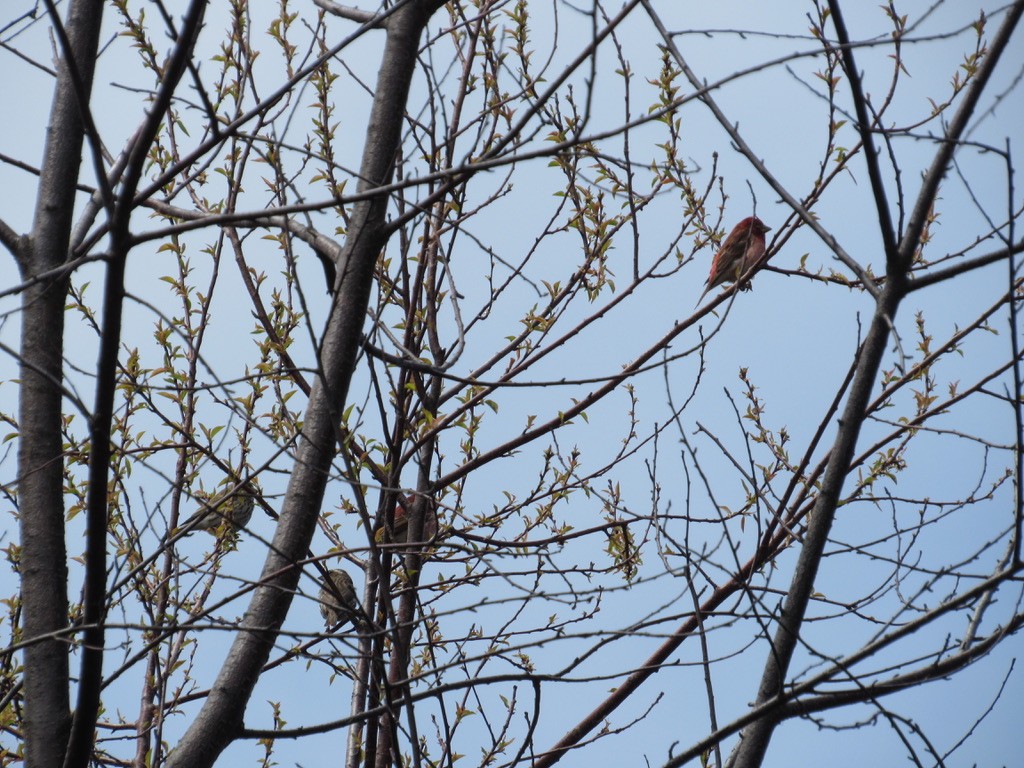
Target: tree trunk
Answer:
pixel 43 564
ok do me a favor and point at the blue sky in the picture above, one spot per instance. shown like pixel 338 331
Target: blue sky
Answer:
pixel 794 337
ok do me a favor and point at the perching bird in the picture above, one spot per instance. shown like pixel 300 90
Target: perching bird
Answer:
pixel 400 524
pixel 741 250
pixel 348 610
pixel 230 513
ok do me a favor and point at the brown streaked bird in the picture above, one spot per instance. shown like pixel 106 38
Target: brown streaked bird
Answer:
pixel 224 513
pixel 348 610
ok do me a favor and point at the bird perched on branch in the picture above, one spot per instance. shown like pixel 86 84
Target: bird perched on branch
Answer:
pixel 227 512
pixel 740 252
pixel 338 601
pixel 400 524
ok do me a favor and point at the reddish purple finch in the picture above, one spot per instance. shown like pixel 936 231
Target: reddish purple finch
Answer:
pixel 400 524
pixel 741 251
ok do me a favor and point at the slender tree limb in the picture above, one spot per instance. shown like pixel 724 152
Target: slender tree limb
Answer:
pixel 954 133
pixel 968 265
pixel 864 123
pixel 12 241
pixel 349 12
